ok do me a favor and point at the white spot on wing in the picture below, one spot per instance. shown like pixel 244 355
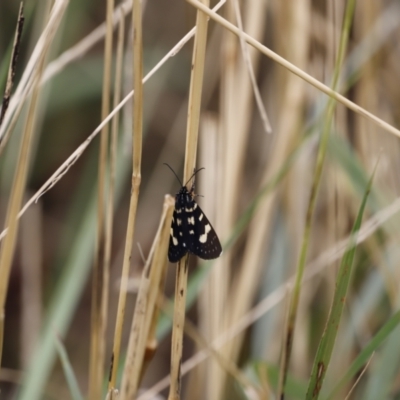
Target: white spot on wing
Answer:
pixel 201 217
pixel 191 220
pixel 203 238
pixel 174 239
pixel 191 232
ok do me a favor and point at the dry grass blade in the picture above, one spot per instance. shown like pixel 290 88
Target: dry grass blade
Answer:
pixel 151 342
pixel 17 191
pixel 300 73
pixel 247 60
pixel 113 162
pixel 196 84
pixel 13 63
pixel 7 250
pixel 177 327
pixel 97 341
pixel 83 46
pixel 145 305
pixel 364 370
pixel 136 179
pixel 27 80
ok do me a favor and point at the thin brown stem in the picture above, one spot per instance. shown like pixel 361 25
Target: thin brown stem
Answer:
pixel 136 179
pixel 96 365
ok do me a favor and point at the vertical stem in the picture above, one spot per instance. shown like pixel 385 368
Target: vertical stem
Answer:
pixel 13 63
pixel 18 188
pixel 146 305
pixel 136 179
pixel 113 164
pixel 178 328
pixel 294 301
pixel 17 191
pixel 194 108
pixel 196 85
pixel 96 364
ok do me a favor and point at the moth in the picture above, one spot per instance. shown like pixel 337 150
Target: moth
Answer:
pixel 191 231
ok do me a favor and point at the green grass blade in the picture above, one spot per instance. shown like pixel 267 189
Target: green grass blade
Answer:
pixel 67 294
pixel 363 357
pixel 63 305
pixel 340 151
pixel 261 372
pixel 319 164
pixel 325 348
pixel 384 370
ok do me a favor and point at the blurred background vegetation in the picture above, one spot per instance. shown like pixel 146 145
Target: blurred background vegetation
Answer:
pixel 57 234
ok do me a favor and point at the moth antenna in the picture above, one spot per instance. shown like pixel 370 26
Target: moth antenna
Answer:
pixel 194 173
pixel 173 173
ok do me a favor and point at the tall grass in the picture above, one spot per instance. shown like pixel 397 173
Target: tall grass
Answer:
pixel 264 324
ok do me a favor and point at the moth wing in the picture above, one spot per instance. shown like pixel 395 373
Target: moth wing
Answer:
pixel 177 246
pixel 204 242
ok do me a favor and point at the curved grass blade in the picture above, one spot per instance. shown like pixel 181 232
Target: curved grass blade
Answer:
pixel 68 371
pixel 363 357
pixel 340 151
pixel 327 342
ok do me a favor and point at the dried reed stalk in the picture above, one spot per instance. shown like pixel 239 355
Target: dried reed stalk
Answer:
pixel 148 294
pixel 196 84
pixel 97 340
pixel 19 181
pixel 136 178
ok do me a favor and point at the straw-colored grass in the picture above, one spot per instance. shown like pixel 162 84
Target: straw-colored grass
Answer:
pixel 268 317
pixel 100 273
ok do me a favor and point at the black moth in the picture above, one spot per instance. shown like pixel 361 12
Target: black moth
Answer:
pixel 191 231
